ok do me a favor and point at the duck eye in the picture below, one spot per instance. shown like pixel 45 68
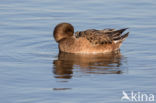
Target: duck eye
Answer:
pixel 68 30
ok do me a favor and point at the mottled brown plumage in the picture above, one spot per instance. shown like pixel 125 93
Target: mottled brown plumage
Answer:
pixel 88 41
pixel 106 36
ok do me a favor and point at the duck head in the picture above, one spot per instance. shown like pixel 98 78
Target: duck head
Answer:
pixel 63 31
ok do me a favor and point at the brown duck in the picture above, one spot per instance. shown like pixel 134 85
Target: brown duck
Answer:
pixel 88 41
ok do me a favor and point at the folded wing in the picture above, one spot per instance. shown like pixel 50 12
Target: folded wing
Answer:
pixel 106 36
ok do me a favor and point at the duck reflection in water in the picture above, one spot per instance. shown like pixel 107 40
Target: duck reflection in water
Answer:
pixel 68 63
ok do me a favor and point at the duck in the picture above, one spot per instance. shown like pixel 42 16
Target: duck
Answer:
pixel 88 41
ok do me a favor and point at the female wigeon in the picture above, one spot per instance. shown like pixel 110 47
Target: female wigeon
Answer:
pixel 88 41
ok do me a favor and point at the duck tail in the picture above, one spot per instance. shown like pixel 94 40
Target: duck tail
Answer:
pixel 117 33
pixel 121 38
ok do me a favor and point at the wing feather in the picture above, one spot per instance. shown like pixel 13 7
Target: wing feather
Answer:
pixel 106 36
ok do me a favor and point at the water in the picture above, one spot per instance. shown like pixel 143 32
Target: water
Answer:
pixel 33 71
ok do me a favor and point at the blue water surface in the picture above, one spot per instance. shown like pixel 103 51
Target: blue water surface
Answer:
pixel 33 71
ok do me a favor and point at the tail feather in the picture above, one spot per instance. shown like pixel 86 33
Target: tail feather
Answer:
pixel 121 38
pixel 121 30
pixel 118 32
